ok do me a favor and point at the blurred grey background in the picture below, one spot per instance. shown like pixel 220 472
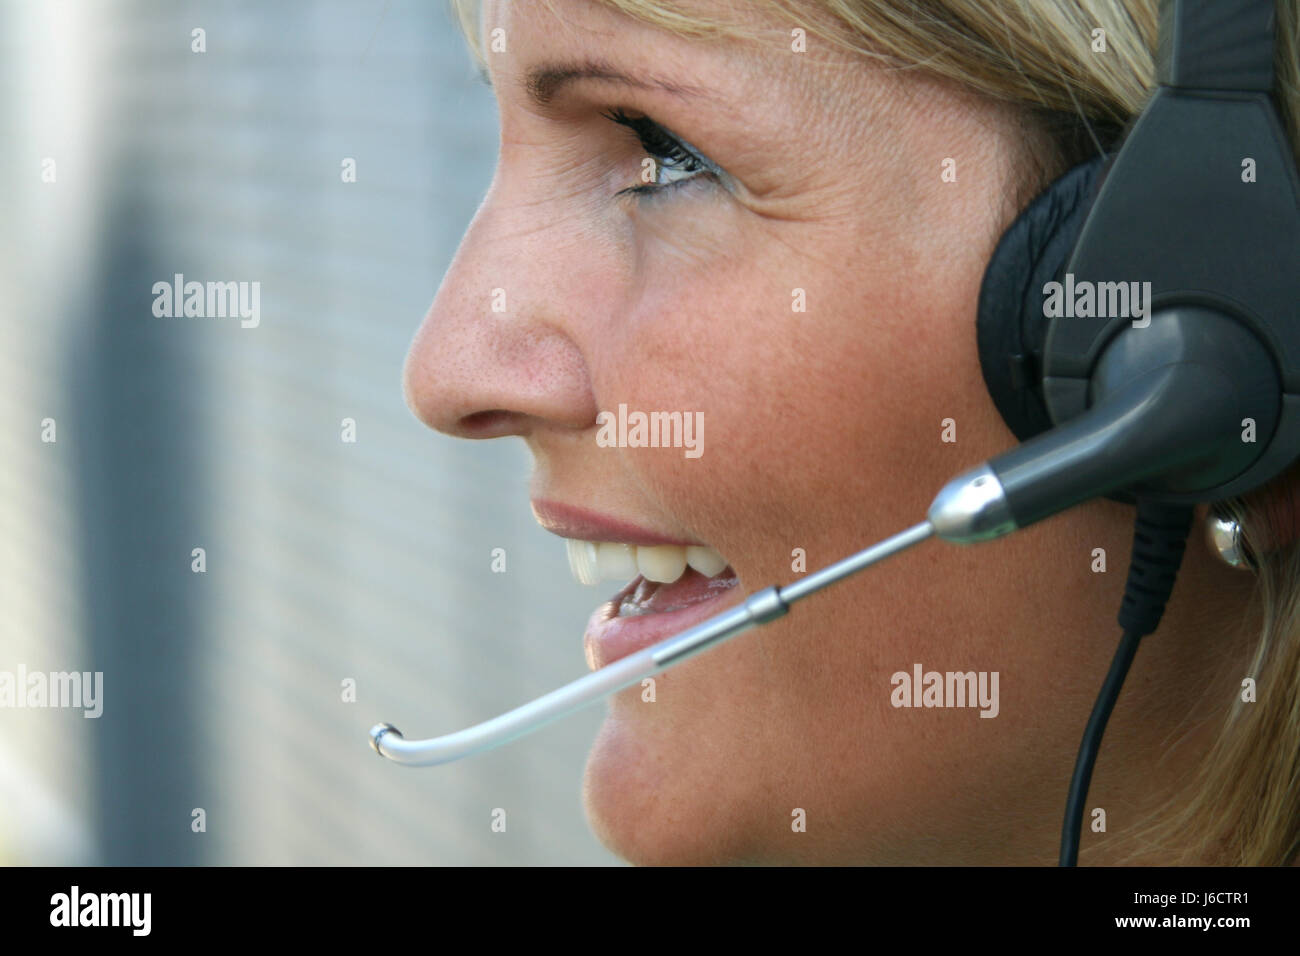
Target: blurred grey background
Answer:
pixel 326 560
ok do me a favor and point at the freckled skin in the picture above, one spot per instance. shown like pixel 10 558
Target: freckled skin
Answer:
pixel 822 432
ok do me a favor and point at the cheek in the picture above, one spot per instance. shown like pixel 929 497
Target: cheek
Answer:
pixel 821 391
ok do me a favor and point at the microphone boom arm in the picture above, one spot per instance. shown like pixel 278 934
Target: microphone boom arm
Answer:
pixel 759 608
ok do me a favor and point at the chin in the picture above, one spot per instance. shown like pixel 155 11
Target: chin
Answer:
pixel 648 814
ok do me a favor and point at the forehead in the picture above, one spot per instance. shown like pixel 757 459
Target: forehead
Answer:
pixel 563 33
pixel 784 113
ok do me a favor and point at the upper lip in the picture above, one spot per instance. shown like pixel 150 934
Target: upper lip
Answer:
pixel 570 521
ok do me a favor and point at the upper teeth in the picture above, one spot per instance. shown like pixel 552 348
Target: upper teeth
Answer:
pixel 594 561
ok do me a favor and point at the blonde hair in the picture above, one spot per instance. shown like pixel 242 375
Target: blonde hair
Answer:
pixel 1243 804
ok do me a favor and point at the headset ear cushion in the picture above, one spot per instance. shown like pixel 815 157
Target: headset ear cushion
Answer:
pixel 1010 328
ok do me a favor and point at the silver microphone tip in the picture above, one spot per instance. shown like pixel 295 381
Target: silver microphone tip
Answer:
pixel 972 507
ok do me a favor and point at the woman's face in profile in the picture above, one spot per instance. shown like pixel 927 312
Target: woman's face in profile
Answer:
pixel 797 277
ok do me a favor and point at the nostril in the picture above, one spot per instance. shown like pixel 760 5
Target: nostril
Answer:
pixel 492 423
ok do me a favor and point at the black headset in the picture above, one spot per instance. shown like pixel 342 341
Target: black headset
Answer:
pixel 1139 324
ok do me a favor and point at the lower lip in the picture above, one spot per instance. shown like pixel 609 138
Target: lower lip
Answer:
pixel 692 599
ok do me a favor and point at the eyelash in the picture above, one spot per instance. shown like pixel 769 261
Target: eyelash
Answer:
pixel 668 151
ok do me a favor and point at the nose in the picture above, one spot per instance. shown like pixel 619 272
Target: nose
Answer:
pixel 498 351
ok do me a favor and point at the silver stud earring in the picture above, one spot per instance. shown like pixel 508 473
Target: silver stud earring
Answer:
pixel 1227 539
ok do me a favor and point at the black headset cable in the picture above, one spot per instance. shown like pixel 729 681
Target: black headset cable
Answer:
pixel 1159 539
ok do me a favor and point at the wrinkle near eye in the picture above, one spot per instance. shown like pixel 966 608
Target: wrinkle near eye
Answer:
pixel 664 238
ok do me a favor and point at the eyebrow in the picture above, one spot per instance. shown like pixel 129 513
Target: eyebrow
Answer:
pixel 543 83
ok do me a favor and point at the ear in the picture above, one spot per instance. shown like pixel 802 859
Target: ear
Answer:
pixel 1010 328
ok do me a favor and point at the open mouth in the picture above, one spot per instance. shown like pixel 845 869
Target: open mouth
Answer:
pixel 653 597
pixel 672 587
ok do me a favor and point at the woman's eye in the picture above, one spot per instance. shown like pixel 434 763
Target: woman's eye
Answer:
pixel 671 161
